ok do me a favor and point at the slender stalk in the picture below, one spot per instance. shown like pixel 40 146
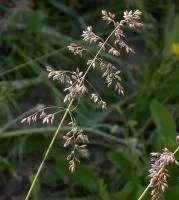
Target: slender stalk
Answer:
pixel 61 122
pixel 149 185
pixel 144 192
pixel 47 152
pixel 177 149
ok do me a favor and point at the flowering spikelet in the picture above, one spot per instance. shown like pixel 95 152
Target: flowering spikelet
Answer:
pixel 74 82
pixel 75 87
pixel 132 18
pixel 75 49
pixel 107 16
pixel 89 35
pixel 41 115
pixel 78 139
pixel 96 99
pixel 158 172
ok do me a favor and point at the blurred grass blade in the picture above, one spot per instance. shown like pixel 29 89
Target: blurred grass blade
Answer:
pixel 166 129
pixel 69 11
pixel 82 175
pixel 104 194
pixel 6 165
pixel 129 191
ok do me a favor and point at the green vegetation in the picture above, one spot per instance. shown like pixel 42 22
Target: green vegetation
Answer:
pixel 35 34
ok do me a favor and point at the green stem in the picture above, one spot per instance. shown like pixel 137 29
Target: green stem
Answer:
pixel 176 151
pixel 61 122
pixel 144 192
pixel 47 152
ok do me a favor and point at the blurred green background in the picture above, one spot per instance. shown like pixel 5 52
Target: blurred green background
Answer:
pixel 34 34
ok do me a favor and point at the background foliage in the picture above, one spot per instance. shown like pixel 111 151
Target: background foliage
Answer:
pixel 34 34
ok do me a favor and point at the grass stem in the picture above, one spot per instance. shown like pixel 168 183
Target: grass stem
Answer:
pixel 47 152
pixel 61 122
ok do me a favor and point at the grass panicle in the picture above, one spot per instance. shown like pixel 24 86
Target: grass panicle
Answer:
pixel 75 83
